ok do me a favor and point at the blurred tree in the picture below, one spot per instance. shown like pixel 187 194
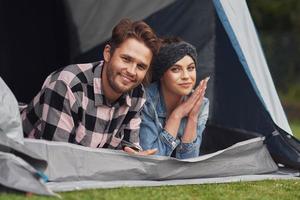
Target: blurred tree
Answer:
pixel 278 24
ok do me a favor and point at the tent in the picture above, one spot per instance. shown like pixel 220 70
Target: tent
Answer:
pixel 243 100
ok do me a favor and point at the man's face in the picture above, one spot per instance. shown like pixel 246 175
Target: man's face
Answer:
pixel 127 66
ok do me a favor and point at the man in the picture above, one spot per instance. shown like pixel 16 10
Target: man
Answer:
pixel 97 104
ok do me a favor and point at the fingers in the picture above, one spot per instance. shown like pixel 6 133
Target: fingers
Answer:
pixel 202 86
pixel 202 92
pixel 193 98
pixel 185 107
pixel 145 153
pixel 191 101
pixel 148 152
pixel 196 108
pixel 199 102
pixel 129 150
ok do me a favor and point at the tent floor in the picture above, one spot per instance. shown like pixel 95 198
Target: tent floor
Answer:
pixel 281 174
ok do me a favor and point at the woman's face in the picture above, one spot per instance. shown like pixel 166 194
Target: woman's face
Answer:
pixel 180 79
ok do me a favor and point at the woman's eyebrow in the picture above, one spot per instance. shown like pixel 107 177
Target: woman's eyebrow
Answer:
pixel 192 63
pixel 177 65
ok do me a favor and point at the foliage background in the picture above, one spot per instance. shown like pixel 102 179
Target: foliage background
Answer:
pixel 278 26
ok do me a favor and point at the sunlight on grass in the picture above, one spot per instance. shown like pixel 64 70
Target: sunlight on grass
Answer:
pixel 267 190
pixel 295 126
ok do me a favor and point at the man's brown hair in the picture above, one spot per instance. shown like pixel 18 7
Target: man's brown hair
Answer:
pixel 139 30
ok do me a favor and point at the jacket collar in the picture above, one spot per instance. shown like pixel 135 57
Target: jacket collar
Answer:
pixel 155 93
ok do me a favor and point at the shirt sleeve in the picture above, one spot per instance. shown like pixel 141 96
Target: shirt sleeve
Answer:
pixel 131 131
pixel 190 150
pixel 152 135
pixel 133 119
pixel 56 106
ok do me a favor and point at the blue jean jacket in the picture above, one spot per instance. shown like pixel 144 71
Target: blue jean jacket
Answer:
pixel 152 132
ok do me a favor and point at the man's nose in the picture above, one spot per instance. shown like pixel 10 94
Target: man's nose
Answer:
pixel 131 69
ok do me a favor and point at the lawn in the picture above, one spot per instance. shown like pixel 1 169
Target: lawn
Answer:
pixel 295 126
pixel 263 190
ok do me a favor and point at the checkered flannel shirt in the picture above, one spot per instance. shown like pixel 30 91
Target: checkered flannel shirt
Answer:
pixel 71 107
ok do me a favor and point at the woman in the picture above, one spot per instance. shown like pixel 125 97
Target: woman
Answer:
pixel 174 117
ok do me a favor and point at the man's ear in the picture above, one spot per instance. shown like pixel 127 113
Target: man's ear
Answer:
pixel 107 53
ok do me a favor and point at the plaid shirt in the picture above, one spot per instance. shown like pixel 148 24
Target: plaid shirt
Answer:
pixel 71 107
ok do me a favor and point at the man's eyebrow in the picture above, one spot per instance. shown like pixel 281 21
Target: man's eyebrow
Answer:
pixel 131 58
pixel 126 55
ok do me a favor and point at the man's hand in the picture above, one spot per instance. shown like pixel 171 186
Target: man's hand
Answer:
pixel 144 153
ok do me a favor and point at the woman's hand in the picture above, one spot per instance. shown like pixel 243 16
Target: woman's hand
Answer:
pixel 194 112
pixel 189 107
pixel 190 132
pixel 185 106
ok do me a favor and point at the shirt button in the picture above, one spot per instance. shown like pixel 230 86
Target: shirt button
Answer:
pixel 173 144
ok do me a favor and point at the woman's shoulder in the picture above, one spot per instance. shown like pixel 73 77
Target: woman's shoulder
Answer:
pixel 152 91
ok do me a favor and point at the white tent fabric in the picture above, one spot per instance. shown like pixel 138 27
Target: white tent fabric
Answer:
pixel 20 168
pixel 70 162
pixel 10 121
pixel 240 28
pixel 20 175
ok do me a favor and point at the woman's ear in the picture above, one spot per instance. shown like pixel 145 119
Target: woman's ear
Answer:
pixel 107 53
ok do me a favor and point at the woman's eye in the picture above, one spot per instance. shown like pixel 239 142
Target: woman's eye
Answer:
pixel 191 68
pixel 175 69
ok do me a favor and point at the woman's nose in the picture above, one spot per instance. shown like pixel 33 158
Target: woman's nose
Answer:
pixel 185 74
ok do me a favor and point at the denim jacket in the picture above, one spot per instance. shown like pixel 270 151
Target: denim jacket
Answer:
pixel 152 132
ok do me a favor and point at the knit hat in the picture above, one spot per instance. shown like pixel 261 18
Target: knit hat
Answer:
pixel 168 55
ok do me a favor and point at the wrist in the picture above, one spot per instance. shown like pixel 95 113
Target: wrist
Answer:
pixel 187 140
pixel 176 115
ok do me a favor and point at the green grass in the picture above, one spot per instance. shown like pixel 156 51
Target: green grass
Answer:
pixel 263 190
pixel 295 126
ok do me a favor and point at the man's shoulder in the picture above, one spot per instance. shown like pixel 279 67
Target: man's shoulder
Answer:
pixel 138 92
pixel 138 98
pixel 75 74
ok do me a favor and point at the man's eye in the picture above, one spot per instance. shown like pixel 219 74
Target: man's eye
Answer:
pixel 126 59
pixel 141 67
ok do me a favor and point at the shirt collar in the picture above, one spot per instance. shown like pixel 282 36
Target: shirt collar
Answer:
pixel 98 92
